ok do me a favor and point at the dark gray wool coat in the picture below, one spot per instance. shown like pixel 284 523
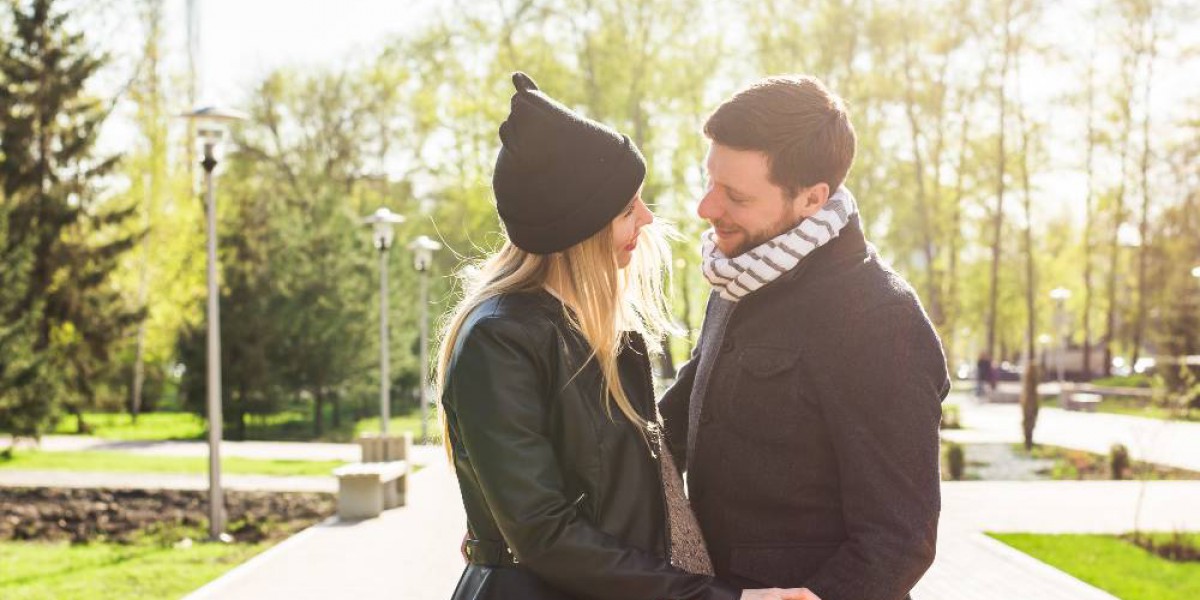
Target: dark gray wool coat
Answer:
pixel 816 452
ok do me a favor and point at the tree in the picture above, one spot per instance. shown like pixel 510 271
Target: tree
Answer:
pixel 1123 119
pixel 48 168
pixel 1148 43
pixel 1001 170
pixel 1089 217
pixel 163 275
pixel 1029 392
pixel 27 393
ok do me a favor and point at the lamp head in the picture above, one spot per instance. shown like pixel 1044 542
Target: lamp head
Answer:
pixel 1060 294
pixel 212 122
pixel 383 222
pixel 423 248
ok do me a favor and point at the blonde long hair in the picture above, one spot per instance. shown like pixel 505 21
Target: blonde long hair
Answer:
pixel 610 301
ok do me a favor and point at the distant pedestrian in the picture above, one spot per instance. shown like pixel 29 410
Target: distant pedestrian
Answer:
pixel 983 375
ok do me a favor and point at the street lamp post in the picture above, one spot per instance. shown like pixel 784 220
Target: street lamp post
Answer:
pixel 383 222
pixel 423 249
pixel 211 124
pixel 1060 296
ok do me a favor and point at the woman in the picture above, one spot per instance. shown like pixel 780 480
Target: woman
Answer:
pixel 564 495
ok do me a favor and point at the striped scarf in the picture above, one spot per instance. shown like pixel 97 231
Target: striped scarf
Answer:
pixel 736 277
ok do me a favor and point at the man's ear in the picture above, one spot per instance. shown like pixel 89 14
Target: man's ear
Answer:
pixel 812 199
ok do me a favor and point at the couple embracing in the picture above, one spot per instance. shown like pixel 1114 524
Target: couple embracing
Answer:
pixel 806 421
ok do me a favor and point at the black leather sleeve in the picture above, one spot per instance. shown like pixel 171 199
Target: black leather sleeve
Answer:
pixel 497 387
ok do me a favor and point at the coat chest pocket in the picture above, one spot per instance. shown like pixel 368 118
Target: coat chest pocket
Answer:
pixel 765 401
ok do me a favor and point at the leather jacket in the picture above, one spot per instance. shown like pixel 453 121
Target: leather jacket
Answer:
pixel 563 498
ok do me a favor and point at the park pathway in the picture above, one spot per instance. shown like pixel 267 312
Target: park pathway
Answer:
pixel 1171 443
pixel 412 552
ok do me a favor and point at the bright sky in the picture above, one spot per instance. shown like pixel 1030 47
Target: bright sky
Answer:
pixel 242 40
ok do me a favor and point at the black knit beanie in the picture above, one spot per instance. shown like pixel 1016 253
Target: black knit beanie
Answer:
pixel 560 177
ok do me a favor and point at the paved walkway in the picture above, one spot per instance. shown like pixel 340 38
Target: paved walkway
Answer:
pixel 1172 443
pixel 1070 506
pixel 409 553
pixel 412 552
pixel 258 450
pixel 972 566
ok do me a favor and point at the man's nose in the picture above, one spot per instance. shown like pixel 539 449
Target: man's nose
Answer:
pixel 710 206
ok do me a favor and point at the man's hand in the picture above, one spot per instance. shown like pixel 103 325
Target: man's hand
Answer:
pixel 778 594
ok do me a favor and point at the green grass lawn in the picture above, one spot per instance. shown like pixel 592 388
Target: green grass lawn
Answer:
pixel 30 570
pixel 1138 408
pixel 150 426
pixel 1112 564
pixel 410 423
pixel 1073 465
pixel 124 462
pixel 290 425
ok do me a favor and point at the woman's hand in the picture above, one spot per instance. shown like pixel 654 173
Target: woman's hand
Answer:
pixel 778 594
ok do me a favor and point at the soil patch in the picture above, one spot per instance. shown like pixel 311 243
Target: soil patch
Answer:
pixel 1176 547
pixel 128 516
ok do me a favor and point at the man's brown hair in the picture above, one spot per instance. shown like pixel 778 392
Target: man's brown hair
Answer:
pixel 800 125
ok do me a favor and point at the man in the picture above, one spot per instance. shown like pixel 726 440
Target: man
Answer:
pixel 807 419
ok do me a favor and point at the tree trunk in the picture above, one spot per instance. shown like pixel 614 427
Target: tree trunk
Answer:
pixel 1031 375
pixel 998 218
pixel 1029 402
pixel 1144 222
pixel 81 426
pixel 139 361
pixel 336 401
pixel 318 413
pixel 926 214
pixel 1089 212
pixel 241 424
pixel 1130 67
pixel 952 300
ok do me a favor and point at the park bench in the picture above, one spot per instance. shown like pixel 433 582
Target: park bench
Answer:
pixel 1081 401
pixel 379 482
pixel 1085 396
pixel 367 489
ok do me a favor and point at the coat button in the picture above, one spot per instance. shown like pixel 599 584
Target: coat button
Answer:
pixel 727 346
pixel 705 417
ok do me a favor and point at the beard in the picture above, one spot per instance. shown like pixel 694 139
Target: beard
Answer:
pixel 753 239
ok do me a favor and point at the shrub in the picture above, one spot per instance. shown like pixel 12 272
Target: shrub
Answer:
pixel 956 459
pixel 1118 460
pixel 951 417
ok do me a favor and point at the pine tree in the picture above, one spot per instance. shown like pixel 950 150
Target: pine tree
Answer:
pixel 50 174
pixel 23 385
